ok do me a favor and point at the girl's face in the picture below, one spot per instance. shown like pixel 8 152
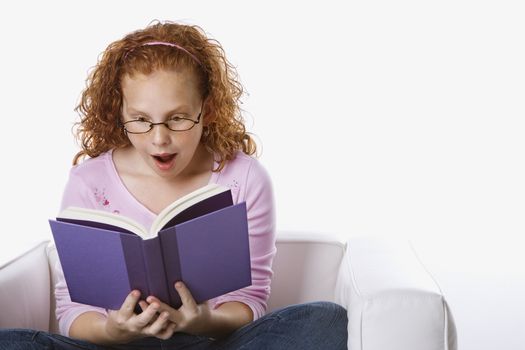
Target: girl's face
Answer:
pixel 159 97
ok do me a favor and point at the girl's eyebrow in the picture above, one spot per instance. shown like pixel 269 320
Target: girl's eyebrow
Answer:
pixel 173 111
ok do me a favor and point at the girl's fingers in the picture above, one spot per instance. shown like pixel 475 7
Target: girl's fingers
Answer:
pixel 143 305
pixel 147 316
pixel 174 315
pixel 185 295
pixel 129 304
pixel 168 331
pixel 159 326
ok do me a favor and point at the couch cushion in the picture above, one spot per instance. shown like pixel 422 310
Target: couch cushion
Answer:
pixel 25 290
pixel 54 263
pixel 305 268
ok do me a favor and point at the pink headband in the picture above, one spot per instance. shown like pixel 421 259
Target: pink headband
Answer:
pixel 164 43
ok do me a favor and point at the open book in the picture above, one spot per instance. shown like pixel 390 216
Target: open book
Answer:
pixel 200 239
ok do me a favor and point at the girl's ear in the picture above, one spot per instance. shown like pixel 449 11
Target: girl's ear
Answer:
pixel 205 133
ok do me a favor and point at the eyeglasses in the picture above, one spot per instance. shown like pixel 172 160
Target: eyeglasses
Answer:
pixel 175 123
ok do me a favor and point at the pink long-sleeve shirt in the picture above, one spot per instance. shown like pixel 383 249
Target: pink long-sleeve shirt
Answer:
pixel 96 184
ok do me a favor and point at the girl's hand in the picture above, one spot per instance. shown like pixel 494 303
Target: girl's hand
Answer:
pixel 190 318
pixel 124 325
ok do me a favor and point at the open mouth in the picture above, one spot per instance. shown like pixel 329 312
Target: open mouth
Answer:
pixel 165 161
pixel 164 158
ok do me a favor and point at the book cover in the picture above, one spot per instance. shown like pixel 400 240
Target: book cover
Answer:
pixel 207 250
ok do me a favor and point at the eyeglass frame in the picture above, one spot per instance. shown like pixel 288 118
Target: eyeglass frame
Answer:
pixel 151 124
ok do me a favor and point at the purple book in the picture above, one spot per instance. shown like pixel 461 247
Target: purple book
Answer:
pixel 205 245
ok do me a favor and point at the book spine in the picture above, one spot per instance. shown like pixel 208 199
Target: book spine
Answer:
pixel 170 249
pixel 155 272
pixel 134 260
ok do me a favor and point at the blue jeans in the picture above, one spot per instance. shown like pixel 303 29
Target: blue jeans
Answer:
pixel 319 325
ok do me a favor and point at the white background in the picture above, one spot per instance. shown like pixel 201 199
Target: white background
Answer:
pixel 392 118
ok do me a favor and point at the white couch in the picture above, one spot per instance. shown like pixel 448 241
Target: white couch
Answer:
pixel 393 302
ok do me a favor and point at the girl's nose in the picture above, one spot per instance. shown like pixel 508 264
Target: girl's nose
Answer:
pixel 160 135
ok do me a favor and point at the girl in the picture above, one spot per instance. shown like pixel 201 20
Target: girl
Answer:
pixel 159 119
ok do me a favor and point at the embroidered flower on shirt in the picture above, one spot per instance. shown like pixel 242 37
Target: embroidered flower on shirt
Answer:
pixel 103 201
pixel 100 198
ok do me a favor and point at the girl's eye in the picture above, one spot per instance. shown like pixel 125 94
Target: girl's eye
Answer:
pixel 140 119
pixel 177 118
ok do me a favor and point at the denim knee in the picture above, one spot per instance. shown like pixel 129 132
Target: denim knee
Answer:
pixel 315 323
pixel 330 314
pixel 322 314
pixel 19 339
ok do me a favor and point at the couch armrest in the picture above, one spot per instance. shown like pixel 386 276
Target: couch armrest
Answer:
pixel 25 290
pixel 392 300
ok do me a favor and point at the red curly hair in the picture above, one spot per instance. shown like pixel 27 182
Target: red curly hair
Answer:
pixel 99 129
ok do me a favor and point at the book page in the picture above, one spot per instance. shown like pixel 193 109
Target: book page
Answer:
pixel 183 203
pixel 77 213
